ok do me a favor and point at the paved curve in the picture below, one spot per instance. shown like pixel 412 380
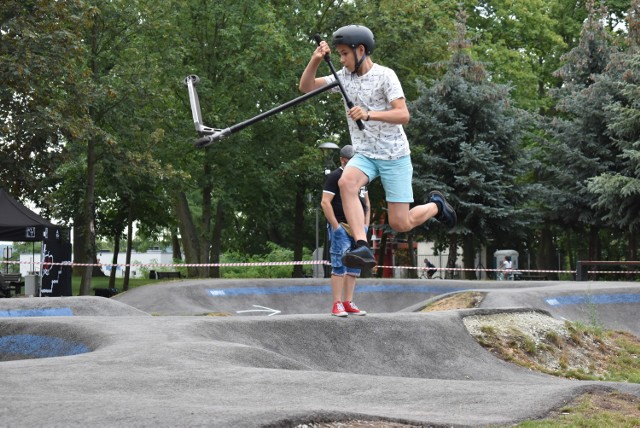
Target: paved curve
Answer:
pixel 113 364
pixel 289 296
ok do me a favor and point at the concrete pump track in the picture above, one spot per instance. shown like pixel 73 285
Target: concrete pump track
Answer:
pixel 148 357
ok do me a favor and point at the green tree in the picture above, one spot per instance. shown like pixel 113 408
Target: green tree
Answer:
pixel 467 136
pixel 421 27
pixel 41 56
pixel 127 107
pixel 96 124
pixel 257 179
pixel 580 148
pixel 618 192
pixel 521 42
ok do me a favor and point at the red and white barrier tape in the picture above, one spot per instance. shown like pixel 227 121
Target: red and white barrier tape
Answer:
pixel 303 262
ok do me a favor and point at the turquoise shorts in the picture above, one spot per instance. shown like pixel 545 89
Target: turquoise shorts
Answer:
pixel 396 175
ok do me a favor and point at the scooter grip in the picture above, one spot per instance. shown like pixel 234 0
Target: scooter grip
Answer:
pixel 327 58
pixel 358 122
pixel 318 39
pixel 203 142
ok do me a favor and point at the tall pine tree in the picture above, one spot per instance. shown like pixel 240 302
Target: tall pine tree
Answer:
pixel 580 147
pixel 466 136
pixel 618 192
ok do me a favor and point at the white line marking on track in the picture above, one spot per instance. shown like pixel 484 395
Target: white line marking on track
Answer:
pixel 264 309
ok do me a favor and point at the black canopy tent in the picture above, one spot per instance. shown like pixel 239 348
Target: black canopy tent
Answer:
pixel 19 223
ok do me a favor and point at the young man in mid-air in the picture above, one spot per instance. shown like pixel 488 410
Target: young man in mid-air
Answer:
pixel 382 149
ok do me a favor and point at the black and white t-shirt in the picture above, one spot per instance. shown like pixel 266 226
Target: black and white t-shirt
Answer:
pixel 374 91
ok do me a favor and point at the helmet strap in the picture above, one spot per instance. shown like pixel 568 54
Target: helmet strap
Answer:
pixel 358 61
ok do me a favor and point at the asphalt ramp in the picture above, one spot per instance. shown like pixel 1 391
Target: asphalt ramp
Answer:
pixel 610 305
pixel 65 306
pixel 125 364
pixel 286 296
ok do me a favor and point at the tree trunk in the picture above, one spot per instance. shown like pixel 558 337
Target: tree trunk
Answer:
pixel 594 249
pixel 78 244
pixel 127 269
pixel 546 252
pixel 633 249
pixel 633 246
pixel 298 232
pixel 569 250
pixel 453 256
pixel 594 243
pixel 114 260
pixel 175 246
pixel 188 234
pixel 469 256
pixel 205 237
pixel 216 240
pixel 88 219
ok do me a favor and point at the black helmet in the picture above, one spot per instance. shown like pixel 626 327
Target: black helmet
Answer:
pixel 354 35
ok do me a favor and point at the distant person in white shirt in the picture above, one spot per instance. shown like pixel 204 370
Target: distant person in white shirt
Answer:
pixel 506 267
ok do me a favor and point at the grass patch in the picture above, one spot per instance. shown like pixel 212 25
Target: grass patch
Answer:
pixel 596 409
pixel 574 351
pixel 592 410
pixel 570 350
pixel 103 282
pixel 463 300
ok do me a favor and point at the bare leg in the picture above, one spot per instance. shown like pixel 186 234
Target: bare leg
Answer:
pixel 349 306
pixel 349 286
pixel 337 287
pixel 350 183
pixel 403 219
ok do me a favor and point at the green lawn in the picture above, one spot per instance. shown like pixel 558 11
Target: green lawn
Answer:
pixel 103 282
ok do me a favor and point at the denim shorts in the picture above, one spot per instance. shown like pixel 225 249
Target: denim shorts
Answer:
pixel 341 242
pixel 396 175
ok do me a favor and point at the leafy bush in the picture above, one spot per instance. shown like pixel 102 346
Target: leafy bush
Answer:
pixel 276 254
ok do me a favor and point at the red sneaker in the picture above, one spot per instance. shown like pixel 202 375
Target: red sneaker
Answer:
pixel 352 309
pixel 338 310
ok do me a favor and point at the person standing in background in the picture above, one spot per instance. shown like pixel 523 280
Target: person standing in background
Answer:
pixel 343 278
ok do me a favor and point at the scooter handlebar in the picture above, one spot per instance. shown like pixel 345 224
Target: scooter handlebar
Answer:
pixel 318 39
pixel 327 59
pixel 207 140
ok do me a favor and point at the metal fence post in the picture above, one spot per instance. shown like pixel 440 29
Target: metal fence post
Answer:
pixel 581 271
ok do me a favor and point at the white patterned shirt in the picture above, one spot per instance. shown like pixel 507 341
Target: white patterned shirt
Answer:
pixel 374 91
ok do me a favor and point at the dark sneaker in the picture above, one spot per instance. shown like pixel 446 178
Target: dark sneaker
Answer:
pixel 447 215
pixel 366 273
pixel 360 258
pixel 352 309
